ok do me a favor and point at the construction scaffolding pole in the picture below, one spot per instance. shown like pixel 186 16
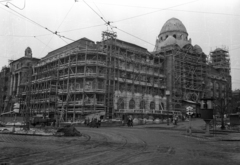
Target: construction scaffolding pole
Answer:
pixel 27 110
pixel 107 39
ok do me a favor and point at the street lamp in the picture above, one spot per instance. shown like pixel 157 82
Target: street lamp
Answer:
pixel 167 93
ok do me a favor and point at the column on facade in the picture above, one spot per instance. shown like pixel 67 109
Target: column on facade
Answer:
pixel 18 83
pixel 14 83
pixel 11 85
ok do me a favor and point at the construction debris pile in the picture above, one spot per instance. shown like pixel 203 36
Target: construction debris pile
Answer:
pixel 68 130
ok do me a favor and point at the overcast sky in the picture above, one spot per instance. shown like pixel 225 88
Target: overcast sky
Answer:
pixel 209 23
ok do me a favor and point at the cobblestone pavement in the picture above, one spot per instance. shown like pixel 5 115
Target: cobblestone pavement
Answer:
pixel 120 145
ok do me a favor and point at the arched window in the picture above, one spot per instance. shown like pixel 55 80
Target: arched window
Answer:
pixel 152 105
pixel 166 36
pixel 131 104
pixel 223 87
pixel 174 36
pixel 142 104
pixel 211 84
pixel 120 103
pixel 161 106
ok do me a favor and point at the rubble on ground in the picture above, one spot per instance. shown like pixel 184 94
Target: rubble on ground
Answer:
pixel 68 130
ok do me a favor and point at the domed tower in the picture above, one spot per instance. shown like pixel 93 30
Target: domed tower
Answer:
pixel 174 29
pixel 28 52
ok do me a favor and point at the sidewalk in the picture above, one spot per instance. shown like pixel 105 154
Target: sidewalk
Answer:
pixel 197 129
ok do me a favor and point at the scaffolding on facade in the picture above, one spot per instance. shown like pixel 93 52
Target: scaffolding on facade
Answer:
pixel 103 77
pixel 70 83
pixel 138 74
pixel 108 40
pixel 188 72
pixel 25 97
pixel 220 59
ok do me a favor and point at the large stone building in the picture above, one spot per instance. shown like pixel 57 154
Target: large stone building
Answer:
pixel 4 88
pixel 17 77
pixel 19 69
pixel 116 76
pixel 84 77
pixel 190 75
pixel 235 101
pixel 219 80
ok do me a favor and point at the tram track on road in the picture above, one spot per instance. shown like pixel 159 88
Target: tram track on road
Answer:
pixel 140 149
pixel 99 144
pixel 85 160
pixel 131 147
pixel 16 140
pixel 96 146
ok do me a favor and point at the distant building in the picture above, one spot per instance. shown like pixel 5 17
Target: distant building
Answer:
pixel 18 75
pixel 19 69
pixel 4 87
pixel 219 80
pixel 235 101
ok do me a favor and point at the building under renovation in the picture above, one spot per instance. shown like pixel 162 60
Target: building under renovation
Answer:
pixel 84 77
pixel 219 80
pixel 4 88
pixel 185 65
pixel 190 75
pixel 115 76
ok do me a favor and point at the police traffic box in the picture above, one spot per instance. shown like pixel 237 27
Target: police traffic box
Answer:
pixel 207 112
pixel 207 108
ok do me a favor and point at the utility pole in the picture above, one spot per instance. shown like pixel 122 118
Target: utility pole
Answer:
pixel 28 98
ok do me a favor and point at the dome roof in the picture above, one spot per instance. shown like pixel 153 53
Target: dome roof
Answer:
pixel 173 24
pixel 198 49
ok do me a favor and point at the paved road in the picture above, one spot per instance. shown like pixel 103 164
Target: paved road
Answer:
pixel 123 145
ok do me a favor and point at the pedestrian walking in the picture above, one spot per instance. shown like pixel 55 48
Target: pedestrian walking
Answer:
pixel 130 121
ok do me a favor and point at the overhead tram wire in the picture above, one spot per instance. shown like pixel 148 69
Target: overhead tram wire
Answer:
pixel 98 8
pixel 28 19
pixel 64 41
pixel 95 12
pixel 178 10
pixel 18 15
pixel 108 23
pixel 81 28
pixel 15 36
pixel 42 35
pixel 5 1
pixel 59 27
pixel 154 11
pixel 34 22
pixel 135 36
pixel 42 42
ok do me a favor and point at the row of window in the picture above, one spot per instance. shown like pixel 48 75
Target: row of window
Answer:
pixel 142 104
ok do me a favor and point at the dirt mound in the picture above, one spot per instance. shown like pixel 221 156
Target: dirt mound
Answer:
pixel 68 130
pixel 2 124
